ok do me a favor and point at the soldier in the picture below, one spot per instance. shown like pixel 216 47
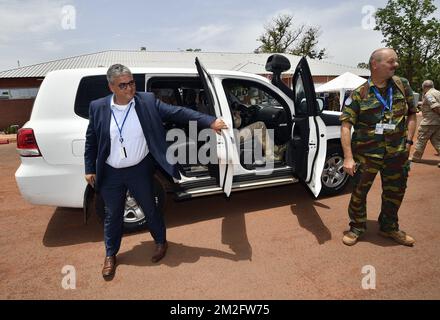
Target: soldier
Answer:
pixel 429 128
pixel 383 115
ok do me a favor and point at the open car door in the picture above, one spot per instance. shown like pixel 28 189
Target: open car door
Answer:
pixel 308 147
pixel 225 141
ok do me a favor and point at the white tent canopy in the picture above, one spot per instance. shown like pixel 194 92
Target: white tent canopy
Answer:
pixel 346 81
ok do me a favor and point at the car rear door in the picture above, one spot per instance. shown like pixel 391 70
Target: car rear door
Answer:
pixel 225 141
pixel 307 149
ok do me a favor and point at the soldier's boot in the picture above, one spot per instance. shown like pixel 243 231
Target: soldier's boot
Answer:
pixel 350 238
pixel 399 236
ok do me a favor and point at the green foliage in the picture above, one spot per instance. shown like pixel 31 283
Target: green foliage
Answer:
pixel 409 27
pixel 281 37
pixel 307 45
pixel 12 129
pixel 363 65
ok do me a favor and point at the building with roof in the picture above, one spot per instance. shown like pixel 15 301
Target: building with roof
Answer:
pixel 18 87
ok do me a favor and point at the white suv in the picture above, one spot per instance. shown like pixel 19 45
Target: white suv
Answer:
pixel 51 143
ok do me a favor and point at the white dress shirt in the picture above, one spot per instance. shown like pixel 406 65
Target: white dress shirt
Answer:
pixel 134 142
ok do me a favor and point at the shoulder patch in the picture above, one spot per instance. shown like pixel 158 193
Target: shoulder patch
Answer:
pixel 348 101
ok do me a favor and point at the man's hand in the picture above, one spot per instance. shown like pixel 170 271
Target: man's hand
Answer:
pixel 218 125
pixel 350 166
pixel 90 178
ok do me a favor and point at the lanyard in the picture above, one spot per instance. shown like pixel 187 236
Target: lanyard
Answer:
pixel 388 105
pixel 120 128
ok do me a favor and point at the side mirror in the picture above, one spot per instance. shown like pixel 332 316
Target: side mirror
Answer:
pixel 320 104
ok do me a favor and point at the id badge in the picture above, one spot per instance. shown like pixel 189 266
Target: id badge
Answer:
pixel 389 126
pixel 123 153
pixel 379 128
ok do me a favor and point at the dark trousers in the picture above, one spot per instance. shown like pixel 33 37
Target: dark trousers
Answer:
pixel 138 180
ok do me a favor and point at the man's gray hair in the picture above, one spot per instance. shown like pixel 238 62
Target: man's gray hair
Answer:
pixel 117 70
pixel 428 84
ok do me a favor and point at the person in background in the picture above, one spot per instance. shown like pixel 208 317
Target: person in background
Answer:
pixel 429 128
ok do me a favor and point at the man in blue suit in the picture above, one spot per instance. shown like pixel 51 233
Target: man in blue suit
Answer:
pixel 124 137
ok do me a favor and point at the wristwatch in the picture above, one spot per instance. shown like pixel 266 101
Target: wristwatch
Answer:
pixel 410 142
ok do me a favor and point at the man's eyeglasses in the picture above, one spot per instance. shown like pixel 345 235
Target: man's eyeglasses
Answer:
pixel 124 85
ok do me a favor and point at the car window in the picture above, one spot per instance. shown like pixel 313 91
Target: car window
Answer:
pixel 249 93
pixel 251 102
pixel 180 91
pixel 94 87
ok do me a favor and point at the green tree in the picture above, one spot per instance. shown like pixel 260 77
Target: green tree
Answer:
pixel 280 36
pixel 363 65
pixel 409 27
pixel 307 45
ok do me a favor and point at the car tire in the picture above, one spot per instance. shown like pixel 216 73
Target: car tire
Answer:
pixel 134 218
pixel 334 179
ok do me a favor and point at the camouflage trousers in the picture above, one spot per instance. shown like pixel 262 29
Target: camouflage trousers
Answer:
pixel 394 175
pixel 425 134
pixel 251 131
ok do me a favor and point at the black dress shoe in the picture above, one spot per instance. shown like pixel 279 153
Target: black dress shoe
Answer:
pixel 108 271
pixel 159 253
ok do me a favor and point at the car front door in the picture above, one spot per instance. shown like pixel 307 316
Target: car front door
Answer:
pixel 307 149
pixel 225 141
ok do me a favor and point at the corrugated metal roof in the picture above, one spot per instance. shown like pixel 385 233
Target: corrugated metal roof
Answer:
pixel 246 62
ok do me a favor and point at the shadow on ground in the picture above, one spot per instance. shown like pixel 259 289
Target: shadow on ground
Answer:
pixel 66 227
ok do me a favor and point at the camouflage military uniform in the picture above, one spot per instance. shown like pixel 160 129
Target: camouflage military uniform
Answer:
pixel 429 128
pixel 385 153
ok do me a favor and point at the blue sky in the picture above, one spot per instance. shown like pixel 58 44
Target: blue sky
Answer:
pixel 32 30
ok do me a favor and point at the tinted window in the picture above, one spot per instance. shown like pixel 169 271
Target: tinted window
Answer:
pixel 95 87
pixel 180 91
pixel 251 93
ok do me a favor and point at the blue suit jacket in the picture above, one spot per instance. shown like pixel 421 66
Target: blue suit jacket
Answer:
pixel 151 113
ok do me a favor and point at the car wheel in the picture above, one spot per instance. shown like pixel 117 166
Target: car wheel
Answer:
pixel 334 178
pixel 134 217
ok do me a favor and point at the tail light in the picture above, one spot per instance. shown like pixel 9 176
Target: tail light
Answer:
pixel 27 144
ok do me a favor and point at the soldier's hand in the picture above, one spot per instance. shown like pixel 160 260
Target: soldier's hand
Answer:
pixel 350 166
pixel 218 125
pixel 90 178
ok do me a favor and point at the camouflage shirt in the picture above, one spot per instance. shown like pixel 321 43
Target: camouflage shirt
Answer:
pixel 364 111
